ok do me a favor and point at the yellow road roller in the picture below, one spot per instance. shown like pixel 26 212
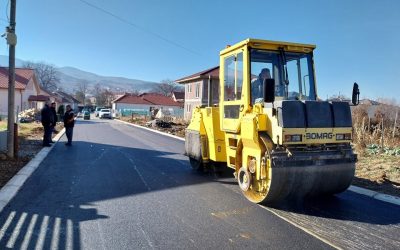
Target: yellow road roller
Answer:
pixel 270 127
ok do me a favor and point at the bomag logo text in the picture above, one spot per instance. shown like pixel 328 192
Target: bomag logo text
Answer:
pixel 313 136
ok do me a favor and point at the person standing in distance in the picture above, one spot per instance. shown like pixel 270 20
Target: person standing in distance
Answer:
pixel 54 114
pixel 47 122
pixel 69 124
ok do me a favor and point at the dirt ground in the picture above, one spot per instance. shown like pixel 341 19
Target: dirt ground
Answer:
pixel 29 144
pixel 378 172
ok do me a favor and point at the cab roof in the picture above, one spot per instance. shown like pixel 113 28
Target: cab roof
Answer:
pixel 272 45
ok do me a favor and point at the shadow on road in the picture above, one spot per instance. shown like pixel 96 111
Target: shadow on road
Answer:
pixel 68 186
pixel 347 206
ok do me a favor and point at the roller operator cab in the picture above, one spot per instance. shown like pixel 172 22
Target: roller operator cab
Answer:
pixel 270 126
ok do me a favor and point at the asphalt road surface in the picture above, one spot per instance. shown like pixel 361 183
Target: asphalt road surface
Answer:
pixel 120 187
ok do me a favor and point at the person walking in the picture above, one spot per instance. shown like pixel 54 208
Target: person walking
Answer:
pixel 54 114
pixel 47 120
pixel 69 123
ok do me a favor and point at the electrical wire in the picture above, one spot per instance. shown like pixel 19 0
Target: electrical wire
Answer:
pixel 138 27
pixel 7 6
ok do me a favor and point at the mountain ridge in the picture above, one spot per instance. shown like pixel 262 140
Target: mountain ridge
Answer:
pixel 71 77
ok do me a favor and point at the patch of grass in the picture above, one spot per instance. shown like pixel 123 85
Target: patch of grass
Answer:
pixel 379 167
pixel 26 129
pixel 3 125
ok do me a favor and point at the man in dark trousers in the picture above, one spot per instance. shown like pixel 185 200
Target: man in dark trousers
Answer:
pixel 47 120
pixel 69 124
pixel 54 114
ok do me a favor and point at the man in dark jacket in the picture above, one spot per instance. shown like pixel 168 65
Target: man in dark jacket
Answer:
pixel 47 120
pixel 54 114
pixel 69 123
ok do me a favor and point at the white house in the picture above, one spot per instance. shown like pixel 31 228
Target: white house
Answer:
pixel 145 103
pixel 27 90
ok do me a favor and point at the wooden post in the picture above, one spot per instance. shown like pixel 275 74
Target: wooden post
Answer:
pixel 15 140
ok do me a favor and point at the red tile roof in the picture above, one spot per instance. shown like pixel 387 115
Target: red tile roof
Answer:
pixel 148 99
pixel 22 77
pixel 131 99
pixel 38 98
pixel 159 99
pixel 213 72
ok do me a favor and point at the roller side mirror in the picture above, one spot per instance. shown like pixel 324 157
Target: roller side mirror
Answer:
pixel 356 94
pixel 269 90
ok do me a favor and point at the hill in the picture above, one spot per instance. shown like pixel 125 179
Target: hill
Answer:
pixel 70 77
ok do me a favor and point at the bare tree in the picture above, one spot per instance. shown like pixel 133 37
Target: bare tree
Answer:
pixel 166 87
pixel 47 74
pixel 103 96
pixel 97 94
pixel 82 90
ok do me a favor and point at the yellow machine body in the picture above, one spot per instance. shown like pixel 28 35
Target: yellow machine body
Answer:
pixel 280 149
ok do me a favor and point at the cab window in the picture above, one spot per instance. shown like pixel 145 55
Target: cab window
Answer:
pixel 233 77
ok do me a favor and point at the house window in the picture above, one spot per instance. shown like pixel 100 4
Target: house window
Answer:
pixel 197 90
pixel 189 88
pixel 188 108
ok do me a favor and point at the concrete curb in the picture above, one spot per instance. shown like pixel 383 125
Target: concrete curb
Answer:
pixel 14 185
pixel 373 194
pixel 378 196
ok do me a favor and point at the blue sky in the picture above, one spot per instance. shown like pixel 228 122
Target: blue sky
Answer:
pixel 357 40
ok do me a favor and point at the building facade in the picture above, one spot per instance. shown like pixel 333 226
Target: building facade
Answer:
pixel 26 88
pixel 196 89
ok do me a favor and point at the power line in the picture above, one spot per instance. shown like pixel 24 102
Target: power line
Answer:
pixel 7 6
pixel 139 27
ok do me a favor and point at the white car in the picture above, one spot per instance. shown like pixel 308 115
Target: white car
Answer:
pixel 105 113
pixel 97 110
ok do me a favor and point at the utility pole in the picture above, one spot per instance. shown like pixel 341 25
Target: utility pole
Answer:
pixel 11 41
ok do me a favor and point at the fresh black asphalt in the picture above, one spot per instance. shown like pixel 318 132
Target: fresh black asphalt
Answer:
pixel 120 187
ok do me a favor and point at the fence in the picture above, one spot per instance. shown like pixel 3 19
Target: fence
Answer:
pixel 144 112
pixel 131 112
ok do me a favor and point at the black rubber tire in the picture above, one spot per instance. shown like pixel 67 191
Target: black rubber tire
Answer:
pixel 196 165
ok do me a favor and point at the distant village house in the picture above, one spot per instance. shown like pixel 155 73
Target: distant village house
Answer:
pixel 27 90
pixel 146 104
